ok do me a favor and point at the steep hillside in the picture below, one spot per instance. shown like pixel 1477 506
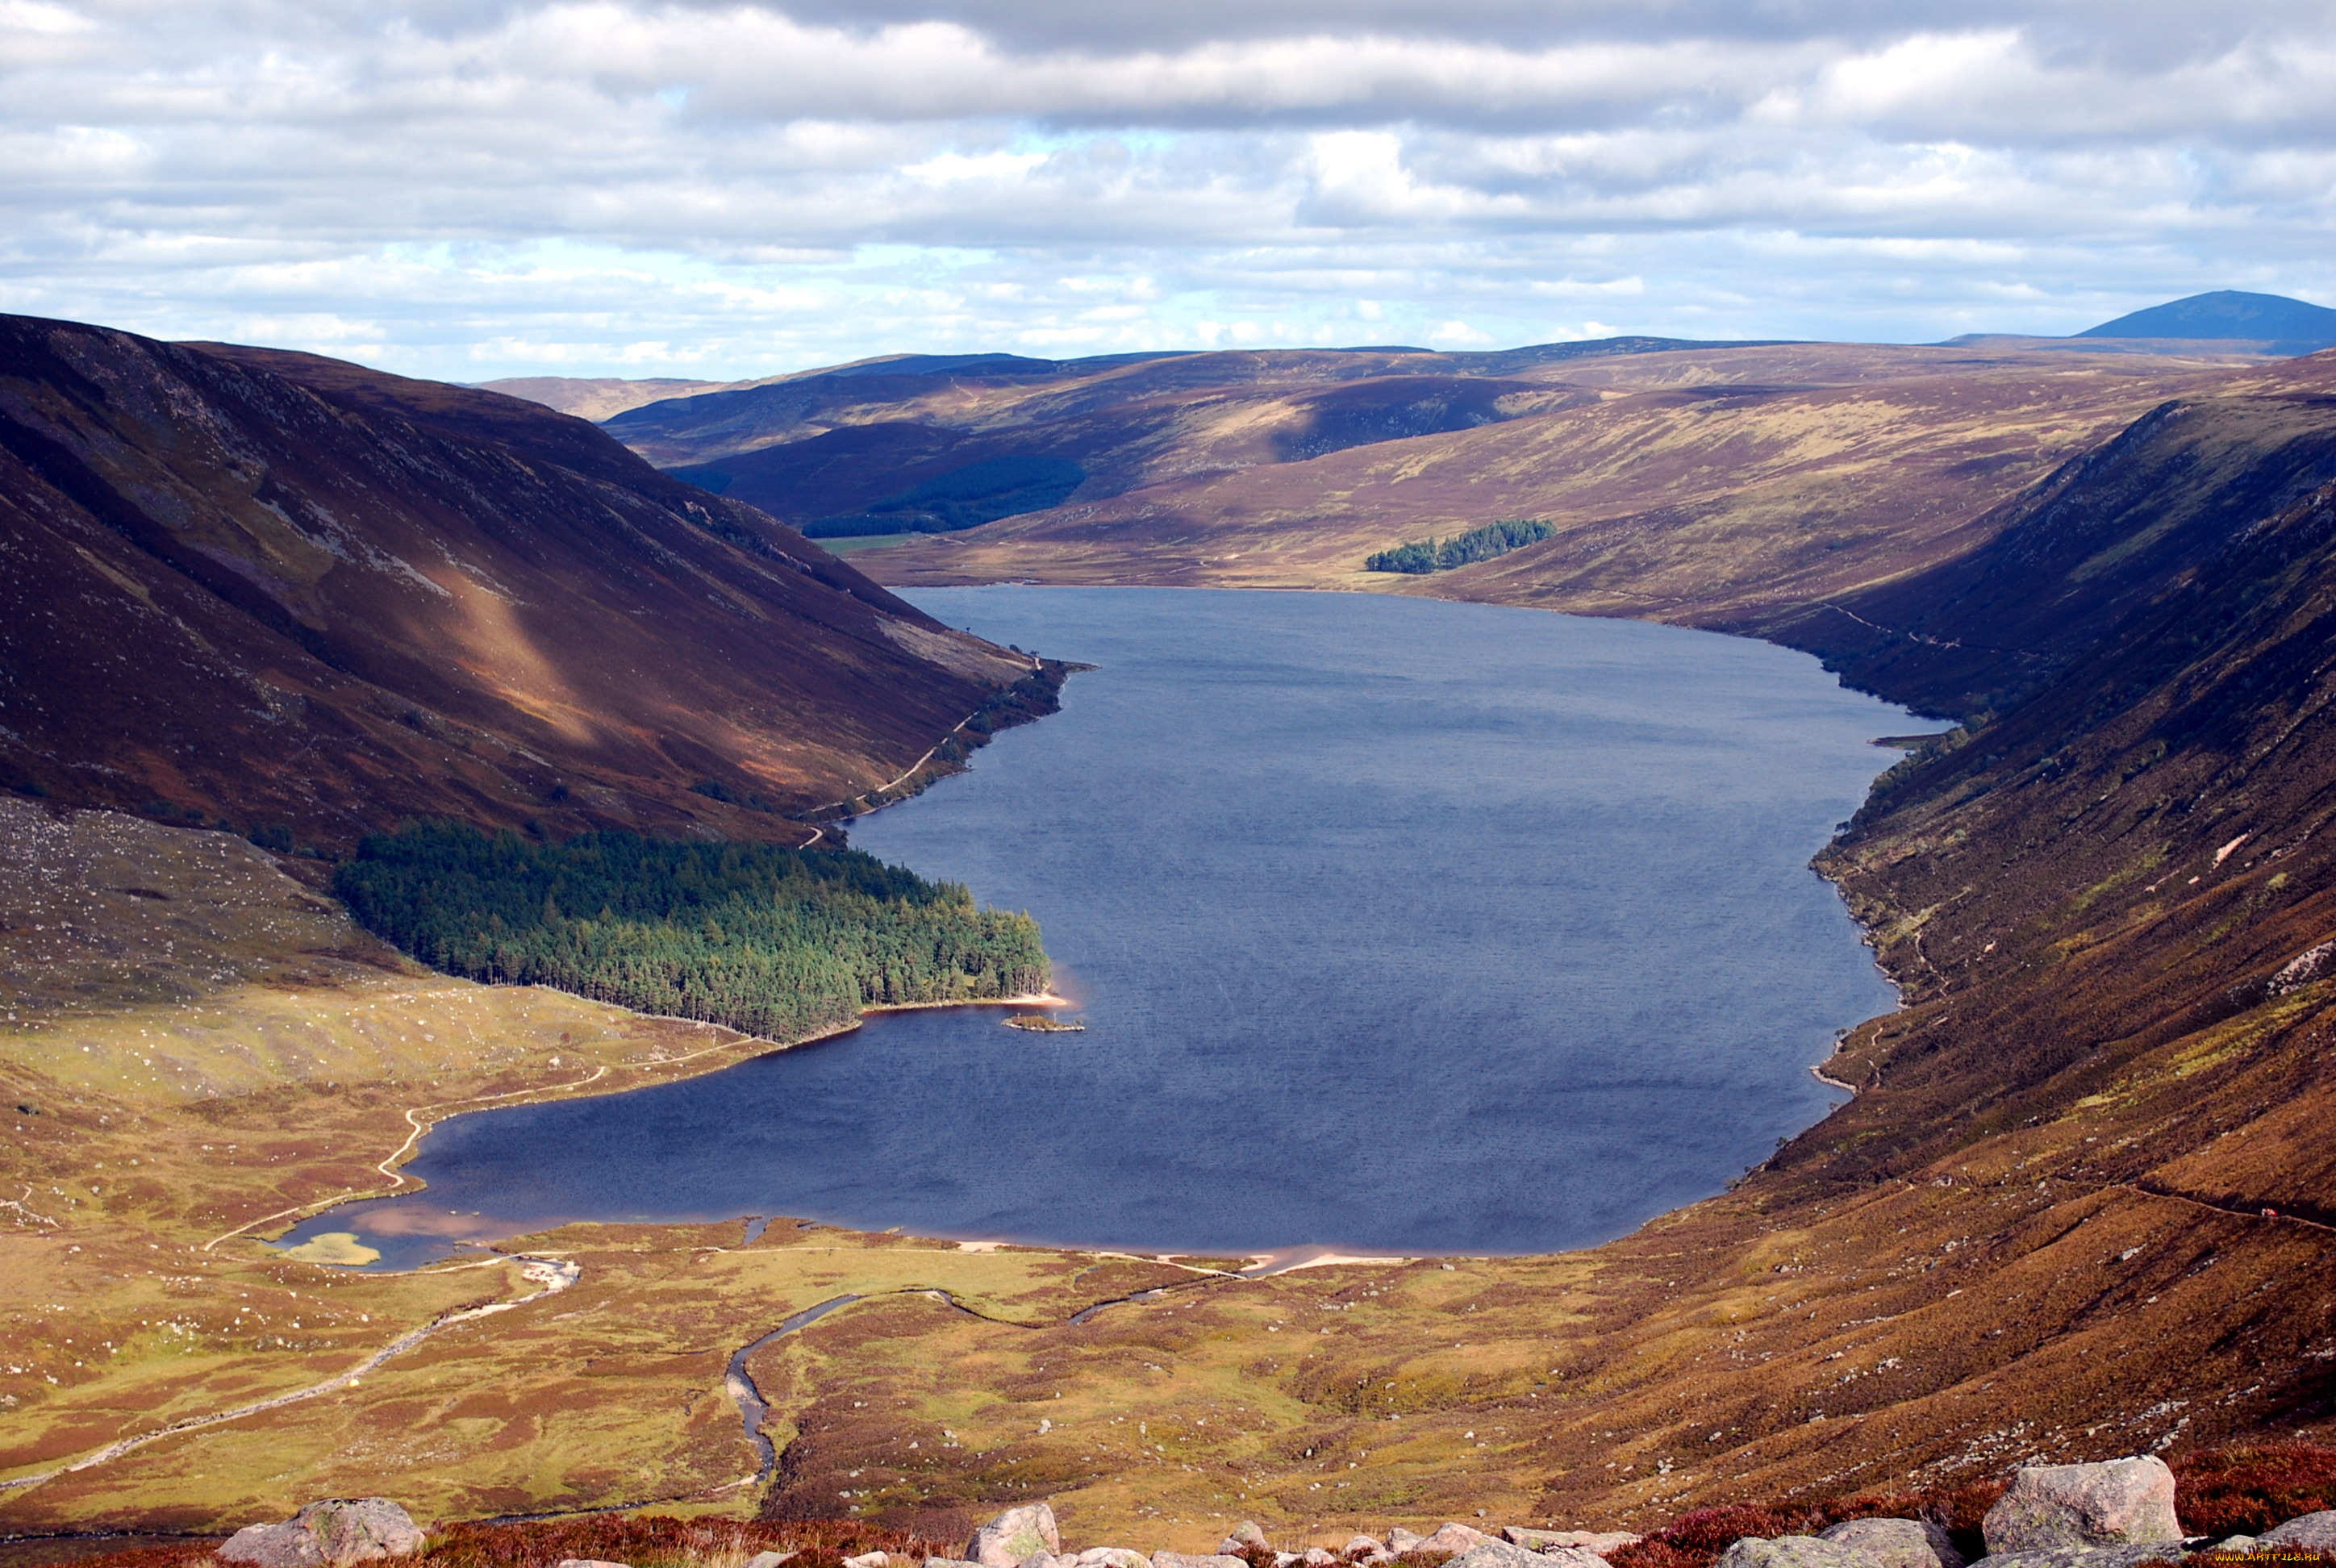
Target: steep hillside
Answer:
pixel 2068 558
pixel 307 599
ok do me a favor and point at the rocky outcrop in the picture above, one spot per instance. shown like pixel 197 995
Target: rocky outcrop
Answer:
pixel 1490 1554
pixel 1793 1552
pixel 1017 1534
pixel 332 1532
pixel 2058 1515
pixel 1897 1543
pixel 1453 1538
pixel 1600 1542
pixel 2054 1507
pixel 2087 1556
pixel 2314 1532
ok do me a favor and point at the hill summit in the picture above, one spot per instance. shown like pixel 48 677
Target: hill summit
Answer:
pixel 2287 326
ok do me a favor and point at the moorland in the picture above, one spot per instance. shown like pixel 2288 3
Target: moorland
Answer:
pixel 2079 1206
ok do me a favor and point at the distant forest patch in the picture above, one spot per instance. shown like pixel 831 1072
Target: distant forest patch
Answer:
pixel 1486 543
pixel 763 938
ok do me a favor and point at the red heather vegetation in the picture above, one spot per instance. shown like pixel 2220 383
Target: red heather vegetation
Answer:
pixel 2218 1494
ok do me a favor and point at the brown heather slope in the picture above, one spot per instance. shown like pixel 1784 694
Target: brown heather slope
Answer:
pixel 1700 485
pixel 311 598
pixel 828 442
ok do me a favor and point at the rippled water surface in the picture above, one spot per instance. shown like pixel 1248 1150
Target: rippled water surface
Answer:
pixel 1398 926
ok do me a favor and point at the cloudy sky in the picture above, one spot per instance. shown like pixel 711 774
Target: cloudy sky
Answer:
pixel 469 189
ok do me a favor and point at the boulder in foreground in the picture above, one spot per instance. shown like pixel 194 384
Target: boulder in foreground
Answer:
pixel 1501 1554
pixel 1599 1542
pixel 333 1530
pixel 1017 1534
pixel 2088 1556
pixel 2119 1503
pixel 1793 1552
pixel 1897 1543
pixel 2312 1532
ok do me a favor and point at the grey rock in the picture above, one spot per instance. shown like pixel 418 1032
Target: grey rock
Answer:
pixel 2312 1532
pixel 1320 1557
pixel 2119 1503
pixel 1793 1552
pixel 284 1545
pixel 335 1531
pixel 869 1559
pixel 1245 1535
pixel 2086 1556
pixel 1897 1543
pixel 1111 1557
pixel 769 1559
pixel 2233 1543
pixel 1490 1553
pixel 1285 1560
pixel 1365 1546
pixel 930 1562
pixel 1598 1542
pixel 1015 1534
pixel 1453 1538
pixel 1400 1540
pixel 591 1562
pixel 1572 1557
pixel 1195 1560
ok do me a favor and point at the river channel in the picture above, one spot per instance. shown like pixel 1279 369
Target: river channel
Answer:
pixel 1398 927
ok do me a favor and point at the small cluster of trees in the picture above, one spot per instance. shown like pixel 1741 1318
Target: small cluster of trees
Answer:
pixel 1495 538
pixel 770 941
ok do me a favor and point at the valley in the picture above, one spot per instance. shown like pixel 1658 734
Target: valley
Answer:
pixel 2079 1206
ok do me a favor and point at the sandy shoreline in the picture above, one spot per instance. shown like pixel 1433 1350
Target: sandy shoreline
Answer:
pixel 1042 1000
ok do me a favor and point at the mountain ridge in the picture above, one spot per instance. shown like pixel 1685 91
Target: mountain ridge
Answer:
pixel 307 598
pixel 2284 325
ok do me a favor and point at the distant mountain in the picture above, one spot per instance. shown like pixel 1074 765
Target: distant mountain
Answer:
pixel 2284 325
pixel 596 397
pixel 847 450
pixel 306 600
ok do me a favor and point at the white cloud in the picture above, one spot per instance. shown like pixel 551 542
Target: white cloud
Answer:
pixel 739 188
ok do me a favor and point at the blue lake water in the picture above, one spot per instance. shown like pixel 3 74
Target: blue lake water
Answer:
pixel 1398 926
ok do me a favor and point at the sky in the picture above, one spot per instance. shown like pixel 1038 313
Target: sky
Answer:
pixel 468 189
